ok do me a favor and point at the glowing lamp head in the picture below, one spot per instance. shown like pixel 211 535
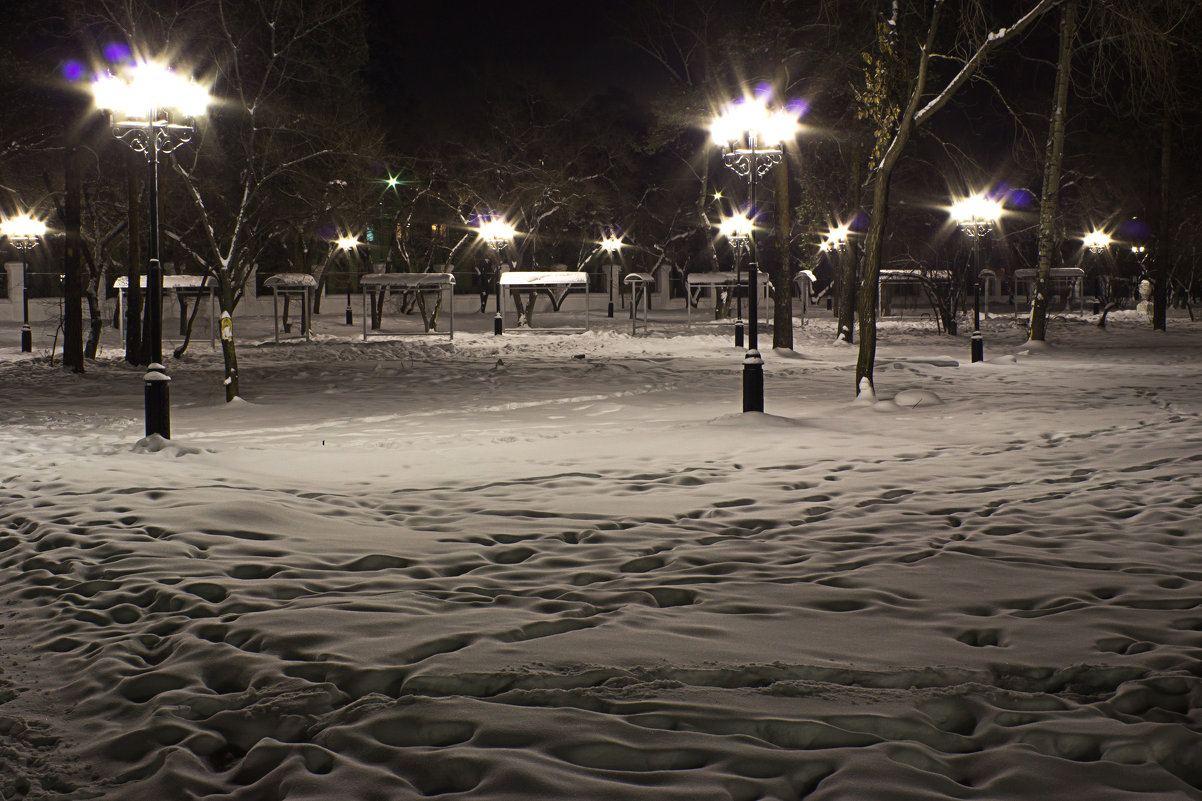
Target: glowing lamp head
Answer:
pixel 611 244
pixel 751 118
pixel 22 230
pixel 148 86
pixel 737 228
pixel 976 215
pixel 495 231
pixel 836 238
pixel 347 243
pixel 1097 241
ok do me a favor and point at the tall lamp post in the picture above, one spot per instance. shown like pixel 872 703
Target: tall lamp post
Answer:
pixel 737 228
pixel 23 232
pixel 496 233
pixel 1097 242
pixel 835 241
pixel 348 244
pixel 611 244
pixel 976 217
pixel 751 136
pixel 140 104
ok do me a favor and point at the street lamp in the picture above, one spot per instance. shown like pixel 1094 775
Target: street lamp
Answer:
pixel 1097 241
pixel 737 228
pixel 348 244
pixel 976 217
pixel 751 136
pixel 836 239
pixel 140 103
pixel 23 232
pixel 611 244
pixel 496 233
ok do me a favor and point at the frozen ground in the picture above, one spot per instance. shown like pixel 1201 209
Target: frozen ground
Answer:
pixel 566 567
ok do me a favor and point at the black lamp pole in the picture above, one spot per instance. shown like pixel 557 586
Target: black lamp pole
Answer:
pixel 26 331
pixel 158 387
pixel 753 364
pixel 498 322
pixel 978 340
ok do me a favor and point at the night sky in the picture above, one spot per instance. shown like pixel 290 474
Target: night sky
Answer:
pixel 445 57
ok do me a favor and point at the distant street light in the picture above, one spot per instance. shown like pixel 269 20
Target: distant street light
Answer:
pixel 836 239
pixel 976 217
pixel 348 244
pixel 737 229
pixel 751 136
pixel 1097 241
pixel 496 233
pixel 611 244
pixel 23 232
pixel 140 103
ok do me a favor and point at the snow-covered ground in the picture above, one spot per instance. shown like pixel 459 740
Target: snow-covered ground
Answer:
pixel 567 567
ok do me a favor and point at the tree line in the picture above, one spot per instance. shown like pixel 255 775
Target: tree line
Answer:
pixel 1077 113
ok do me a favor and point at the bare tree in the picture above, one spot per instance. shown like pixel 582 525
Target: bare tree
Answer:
pixel 1144 57
pixel 969 48
pixel 285 75
pixel 1049 204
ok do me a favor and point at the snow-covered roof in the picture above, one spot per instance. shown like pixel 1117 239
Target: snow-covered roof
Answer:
pixel 718 278
pixel 533 278
pixel 646 278
pixel 409 280
pixel 915 275
pixel 290 281
pixel 169 282
pixel 1055 272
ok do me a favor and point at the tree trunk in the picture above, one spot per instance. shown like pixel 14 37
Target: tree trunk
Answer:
pixel 873 247
pixel 135 348
pixel 874 242
pixel 849 284
pixel 848 289
pixel 72 261
pixel 782 274
pixel 229 353
pixel 230 356
pixel 1163 254
pixel 1053 158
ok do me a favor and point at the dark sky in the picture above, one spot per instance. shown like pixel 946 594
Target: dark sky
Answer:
pixel 441 53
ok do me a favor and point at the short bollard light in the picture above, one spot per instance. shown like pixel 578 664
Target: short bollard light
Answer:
pixel 158 401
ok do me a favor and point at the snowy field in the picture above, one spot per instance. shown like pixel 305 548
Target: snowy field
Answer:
pixel 565 567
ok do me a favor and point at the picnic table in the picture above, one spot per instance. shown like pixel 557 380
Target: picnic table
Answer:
pixel 426 288
pixel 554 284
pixel 640 285
pixel 720 280
pixel 184 287
pixel 292 285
